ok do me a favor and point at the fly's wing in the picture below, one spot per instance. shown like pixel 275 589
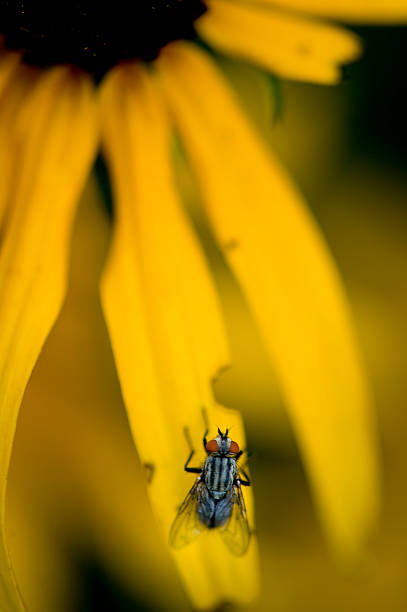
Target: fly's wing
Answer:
pixel 236 532
pixel 187 526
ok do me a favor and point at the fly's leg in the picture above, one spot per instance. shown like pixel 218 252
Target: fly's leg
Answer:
pixel 248 455
pixel 247 482
pixel 205 418
pixel 192 470
pixel 240 482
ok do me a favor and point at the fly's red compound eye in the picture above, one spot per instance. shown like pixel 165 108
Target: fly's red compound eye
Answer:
pixel 234 447
pixel 212 446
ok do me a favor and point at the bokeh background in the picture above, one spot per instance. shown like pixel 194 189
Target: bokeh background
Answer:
pixel 81 533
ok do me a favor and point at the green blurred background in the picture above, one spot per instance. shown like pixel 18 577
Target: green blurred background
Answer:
pixel 80 529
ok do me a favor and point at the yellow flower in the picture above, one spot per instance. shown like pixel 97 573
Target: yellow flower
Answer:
pixel 158 295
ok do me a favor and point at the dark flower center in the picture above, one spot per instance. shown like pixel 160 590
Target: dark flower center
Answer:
pixel 95 35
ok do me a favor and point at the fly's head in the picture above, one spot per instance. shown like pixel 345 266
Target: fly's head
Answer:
pixel 222 445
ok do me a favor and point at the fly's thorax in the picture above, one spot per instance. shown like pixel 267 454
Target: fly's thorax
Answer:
pixel 219 473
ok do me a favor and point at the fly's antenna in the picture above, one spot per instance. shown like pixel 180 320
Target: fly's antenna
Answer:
pixel 223 435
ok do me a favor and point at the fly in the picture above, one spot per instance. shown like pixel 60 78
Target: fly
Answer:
pixel 216 499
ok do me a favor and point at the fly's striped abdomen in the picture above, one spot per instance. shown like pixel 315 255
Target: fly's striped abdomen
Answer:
pixel 219 473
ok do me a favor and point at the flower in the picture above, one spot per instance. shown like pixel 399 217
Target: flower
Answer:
pixel 160 305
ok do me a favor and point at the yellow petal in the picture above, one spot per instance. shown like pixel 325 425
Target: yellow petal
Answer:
pixel 353 11
pixel 19 82
pixel 164 325
pixel 290 46
pixel 54 132
pixel 291 283
pixel 8 62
